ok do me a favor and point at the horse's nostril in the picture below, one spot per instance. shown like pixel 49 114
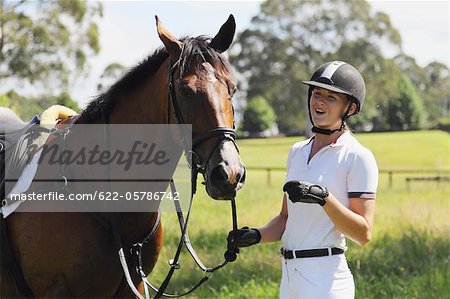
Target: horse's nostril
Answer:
pixel 238 177
pixel 219 174
pixel 242 178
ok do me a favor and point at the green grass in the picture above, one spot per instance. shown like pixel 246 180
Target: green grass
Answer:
pixel 415 149
pixel 408 256
pixel 428 149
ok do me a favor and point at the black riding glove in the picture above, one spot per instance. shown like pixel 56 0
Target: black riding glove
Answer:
pixel 299 191
pixel 245 237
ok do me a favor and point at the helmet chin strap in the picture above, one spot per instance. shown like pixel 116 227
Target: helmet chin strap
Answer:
pixel 324 131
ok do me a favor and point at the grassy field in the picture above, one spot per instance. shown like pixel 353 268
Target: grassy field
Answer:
pixel 408 256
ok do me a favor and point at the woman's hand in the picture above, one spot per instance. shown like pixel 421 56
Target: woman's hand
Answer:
pixel 299 191
pixel 245 237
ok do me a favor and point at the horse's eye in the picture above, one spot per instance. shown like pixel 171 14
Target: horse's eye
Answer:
pixel 186 89
pixel 231 89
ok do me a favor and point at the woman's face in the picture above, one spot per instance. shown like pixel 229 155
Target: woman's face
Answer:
pixel 327 108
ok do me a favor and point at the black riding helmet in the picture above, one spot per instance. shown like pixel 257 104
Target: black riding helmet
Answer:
pixel 338 76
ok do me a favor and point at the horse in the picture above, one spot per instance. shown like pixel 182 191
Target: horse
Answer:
pixel 71 255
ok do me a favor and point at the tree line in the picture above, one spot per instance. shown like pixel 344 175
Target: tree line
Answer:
pixel 46 45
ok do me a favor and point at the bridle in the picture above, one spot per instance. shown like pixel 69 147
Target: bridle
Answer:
pixel 196 165
pixel 222 133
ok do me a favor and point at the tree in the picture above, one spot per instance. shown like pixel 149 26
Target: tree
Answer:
pixel 110 75
pixel 5 101
pixel 289 39
pixel 437 93
pixel 65 99
pixel 258 116
pixel 45 42
pixel 432 84
pixel 25 107
pixel 406 110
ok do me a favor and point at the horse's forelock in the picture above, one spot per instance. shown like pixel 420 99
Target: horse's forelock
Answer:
pixel 196 50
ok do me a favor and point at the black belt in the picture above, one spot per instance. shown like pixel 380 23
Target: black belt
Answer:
pixel 291 254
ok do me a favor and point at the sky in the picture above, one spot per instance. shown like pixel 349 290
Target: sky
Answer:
pixel 128 31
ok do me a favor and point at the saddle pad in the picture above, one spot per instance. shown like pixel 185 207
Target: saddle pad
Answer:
pixel 22 185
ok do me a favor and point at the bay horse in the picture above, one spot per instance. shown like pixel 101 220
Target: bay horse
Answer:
pixel 70 255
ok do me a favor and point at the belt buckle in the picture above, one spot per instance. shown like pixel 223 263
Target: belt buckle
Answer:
pixel 284 253
pixel 330 252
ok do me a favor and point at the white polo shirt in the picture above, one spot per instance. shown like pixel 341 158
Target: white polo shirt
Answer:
pixel 347 169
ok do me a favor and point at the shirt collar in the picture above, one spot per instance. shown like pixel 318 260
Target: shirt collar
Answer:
pixel 344 138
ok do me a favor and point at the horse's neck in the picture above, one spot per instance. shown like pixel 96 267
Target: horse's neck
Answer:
pixel 147 104
pixel 134 227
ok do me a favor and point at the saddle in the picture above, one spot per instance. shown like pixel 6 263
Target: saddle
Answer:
pixel 15 153
pixel 15 150
pixel 16 138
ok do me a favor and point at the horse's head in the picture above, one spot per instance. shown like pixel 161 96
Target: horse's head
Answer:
pixel 201 88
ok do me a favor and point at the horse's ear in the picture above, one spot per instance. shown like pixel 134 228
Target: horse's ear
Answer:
pixel 222 41
pixel 172 44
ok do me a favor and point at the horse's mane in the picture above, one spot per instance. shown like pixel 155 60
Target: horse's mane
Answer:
pixel 195 50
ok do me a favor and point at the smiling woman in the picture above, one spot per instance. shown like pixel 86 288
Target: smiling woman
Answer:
pixel 327 107
pixel 329 193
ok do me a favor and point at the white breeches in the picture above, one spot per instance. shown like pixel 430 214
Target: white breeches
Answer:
pixel 326 277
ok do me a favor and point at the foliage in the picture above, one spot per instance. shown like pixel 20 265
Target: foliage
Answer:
pixel 405 110
pixel 5 101
pixel 64 99
pixel 24 107
pixel 110 75
pixel 44 42
pixel 432 84
pixel 442 123
pixel 258 116
pixel 27 107
pixel 288 40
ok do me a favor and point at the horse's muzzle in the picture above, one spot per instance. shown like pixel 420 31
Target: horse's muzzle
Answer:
pixel 224 180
